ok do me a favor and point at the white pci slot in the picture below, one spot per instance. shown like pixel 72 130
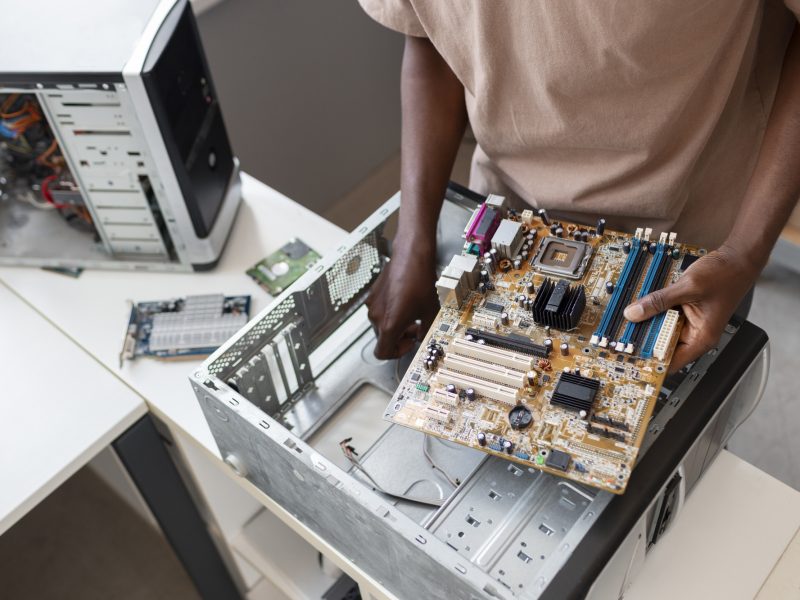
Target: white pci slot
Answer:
pixel 492 372
pixel 664 338
pixel 498 356
pixel 495 391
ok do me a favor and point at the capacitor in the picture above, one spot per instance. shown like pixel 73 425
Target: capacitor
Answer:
pixel 559 231
pixel 481 438
pixel 626 247
pixel 528 304
pixel 529 287
pixel 495 255
pixel 652 248
pixel 553 227
pixel 564 349
pixel 484 275
pixel 486 255
pixel 577 234
pixel 530 238
pixel 469 337
pixel 517 264
pixel 481 288
pixel 582 414
pixel 601 226
pixel 521 301
pixel 548 344
pixel 524 255
pixel 609 287
pixel 520 417
pixel 504 318
pixel 488 265
pixel 470 394
pixel 451 389
pixel 429 364
pixel 543 216
pixel 584 236
pixel 676 253
pixel 508 446
pixel 530 377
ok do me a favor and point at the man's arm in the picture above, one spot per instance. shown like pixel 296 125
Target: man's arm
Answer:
pixel 713 286
pixel 434 119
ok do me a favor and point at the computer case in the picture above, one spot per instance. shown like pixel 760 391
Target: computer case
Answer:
pixel 282 394
pixel 113 149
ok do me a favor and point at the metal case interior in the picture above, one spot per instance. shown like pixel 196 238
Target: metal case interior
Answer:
pixel 279 396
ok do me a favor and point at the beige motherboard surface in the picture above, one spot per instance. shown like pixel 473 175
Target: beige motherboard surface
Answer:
pixel 530 357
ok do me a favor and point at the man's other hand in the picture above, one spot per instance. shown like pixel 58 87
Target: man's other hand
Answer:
pixel 709 292
pixel 403 301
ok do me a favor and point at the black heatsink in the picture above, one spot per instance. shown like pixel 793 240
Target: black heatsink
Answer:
pixel 575 392
pixel 559 305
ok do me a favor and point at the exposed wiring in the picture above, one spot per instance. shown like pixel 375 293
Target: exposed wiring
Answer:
pixel 452 481
pixel 351 454
pixel 48 196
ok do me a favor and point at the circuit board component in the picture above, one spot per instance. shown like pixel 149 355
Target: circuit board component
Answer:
pixel 283 267
pixel 188 327
pixel 530 357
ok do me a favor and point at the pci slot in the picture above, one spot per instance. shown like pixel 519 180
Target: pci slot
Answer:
pixel 495 373
pixel 500 393
pixel 600 336
pixel 666 334
pixel 649 285
pixel 516 343
pixel 498 356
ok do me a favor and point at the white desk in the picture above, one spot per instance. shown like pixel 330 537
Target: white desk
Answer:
pixel 60 408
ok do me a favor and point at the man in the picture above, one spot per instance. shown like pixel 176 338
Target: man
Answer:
pixel 677 115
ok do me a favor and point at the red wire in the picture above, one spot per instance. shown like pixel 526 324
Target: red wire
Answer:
pixel 48 196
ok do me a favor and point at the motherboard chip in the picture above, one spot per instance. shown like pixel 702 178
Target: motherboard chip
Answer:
pixel 567 258
pixel 557 459
pixel 575 392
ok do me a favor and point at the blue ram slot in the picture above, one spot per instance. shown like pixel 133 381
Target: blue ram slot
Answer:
pixel 608 313
pixel 652 335
pixel 647 287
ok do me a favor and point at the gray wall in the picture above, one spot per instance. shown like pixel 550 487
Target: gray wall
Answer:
pixel 309 90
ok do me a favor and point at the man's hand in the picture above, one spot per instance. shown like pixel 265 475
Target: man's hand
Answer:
pixel 403 302
pixel 709 293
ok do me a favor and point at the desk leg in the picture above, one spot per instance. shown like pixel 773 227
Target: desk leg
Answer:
pixel 150 466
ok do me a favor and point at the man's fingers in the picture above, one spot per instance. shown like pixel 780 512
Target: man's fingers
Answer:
pixel 657 302
pixel 691 346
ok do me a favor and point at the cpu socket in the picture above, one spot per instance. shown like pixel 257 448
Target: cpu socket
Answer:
pixel 566 258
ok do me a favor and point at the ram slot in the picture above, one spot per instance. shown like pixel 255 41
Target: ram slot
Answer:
pixel 648 286
pixel 512 360
pixel 600 336
pixel 495 373
pixel 666 334
pixel 652 335
pixel 500 393
pixel 661 277
pixel 627 293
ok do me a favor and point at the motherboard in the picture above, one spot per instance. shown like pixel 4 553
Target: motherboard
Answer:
pixel 530 357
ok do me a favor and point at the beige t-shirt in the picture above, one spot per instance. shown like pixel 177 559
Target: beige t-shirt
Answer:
pixel 647 113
